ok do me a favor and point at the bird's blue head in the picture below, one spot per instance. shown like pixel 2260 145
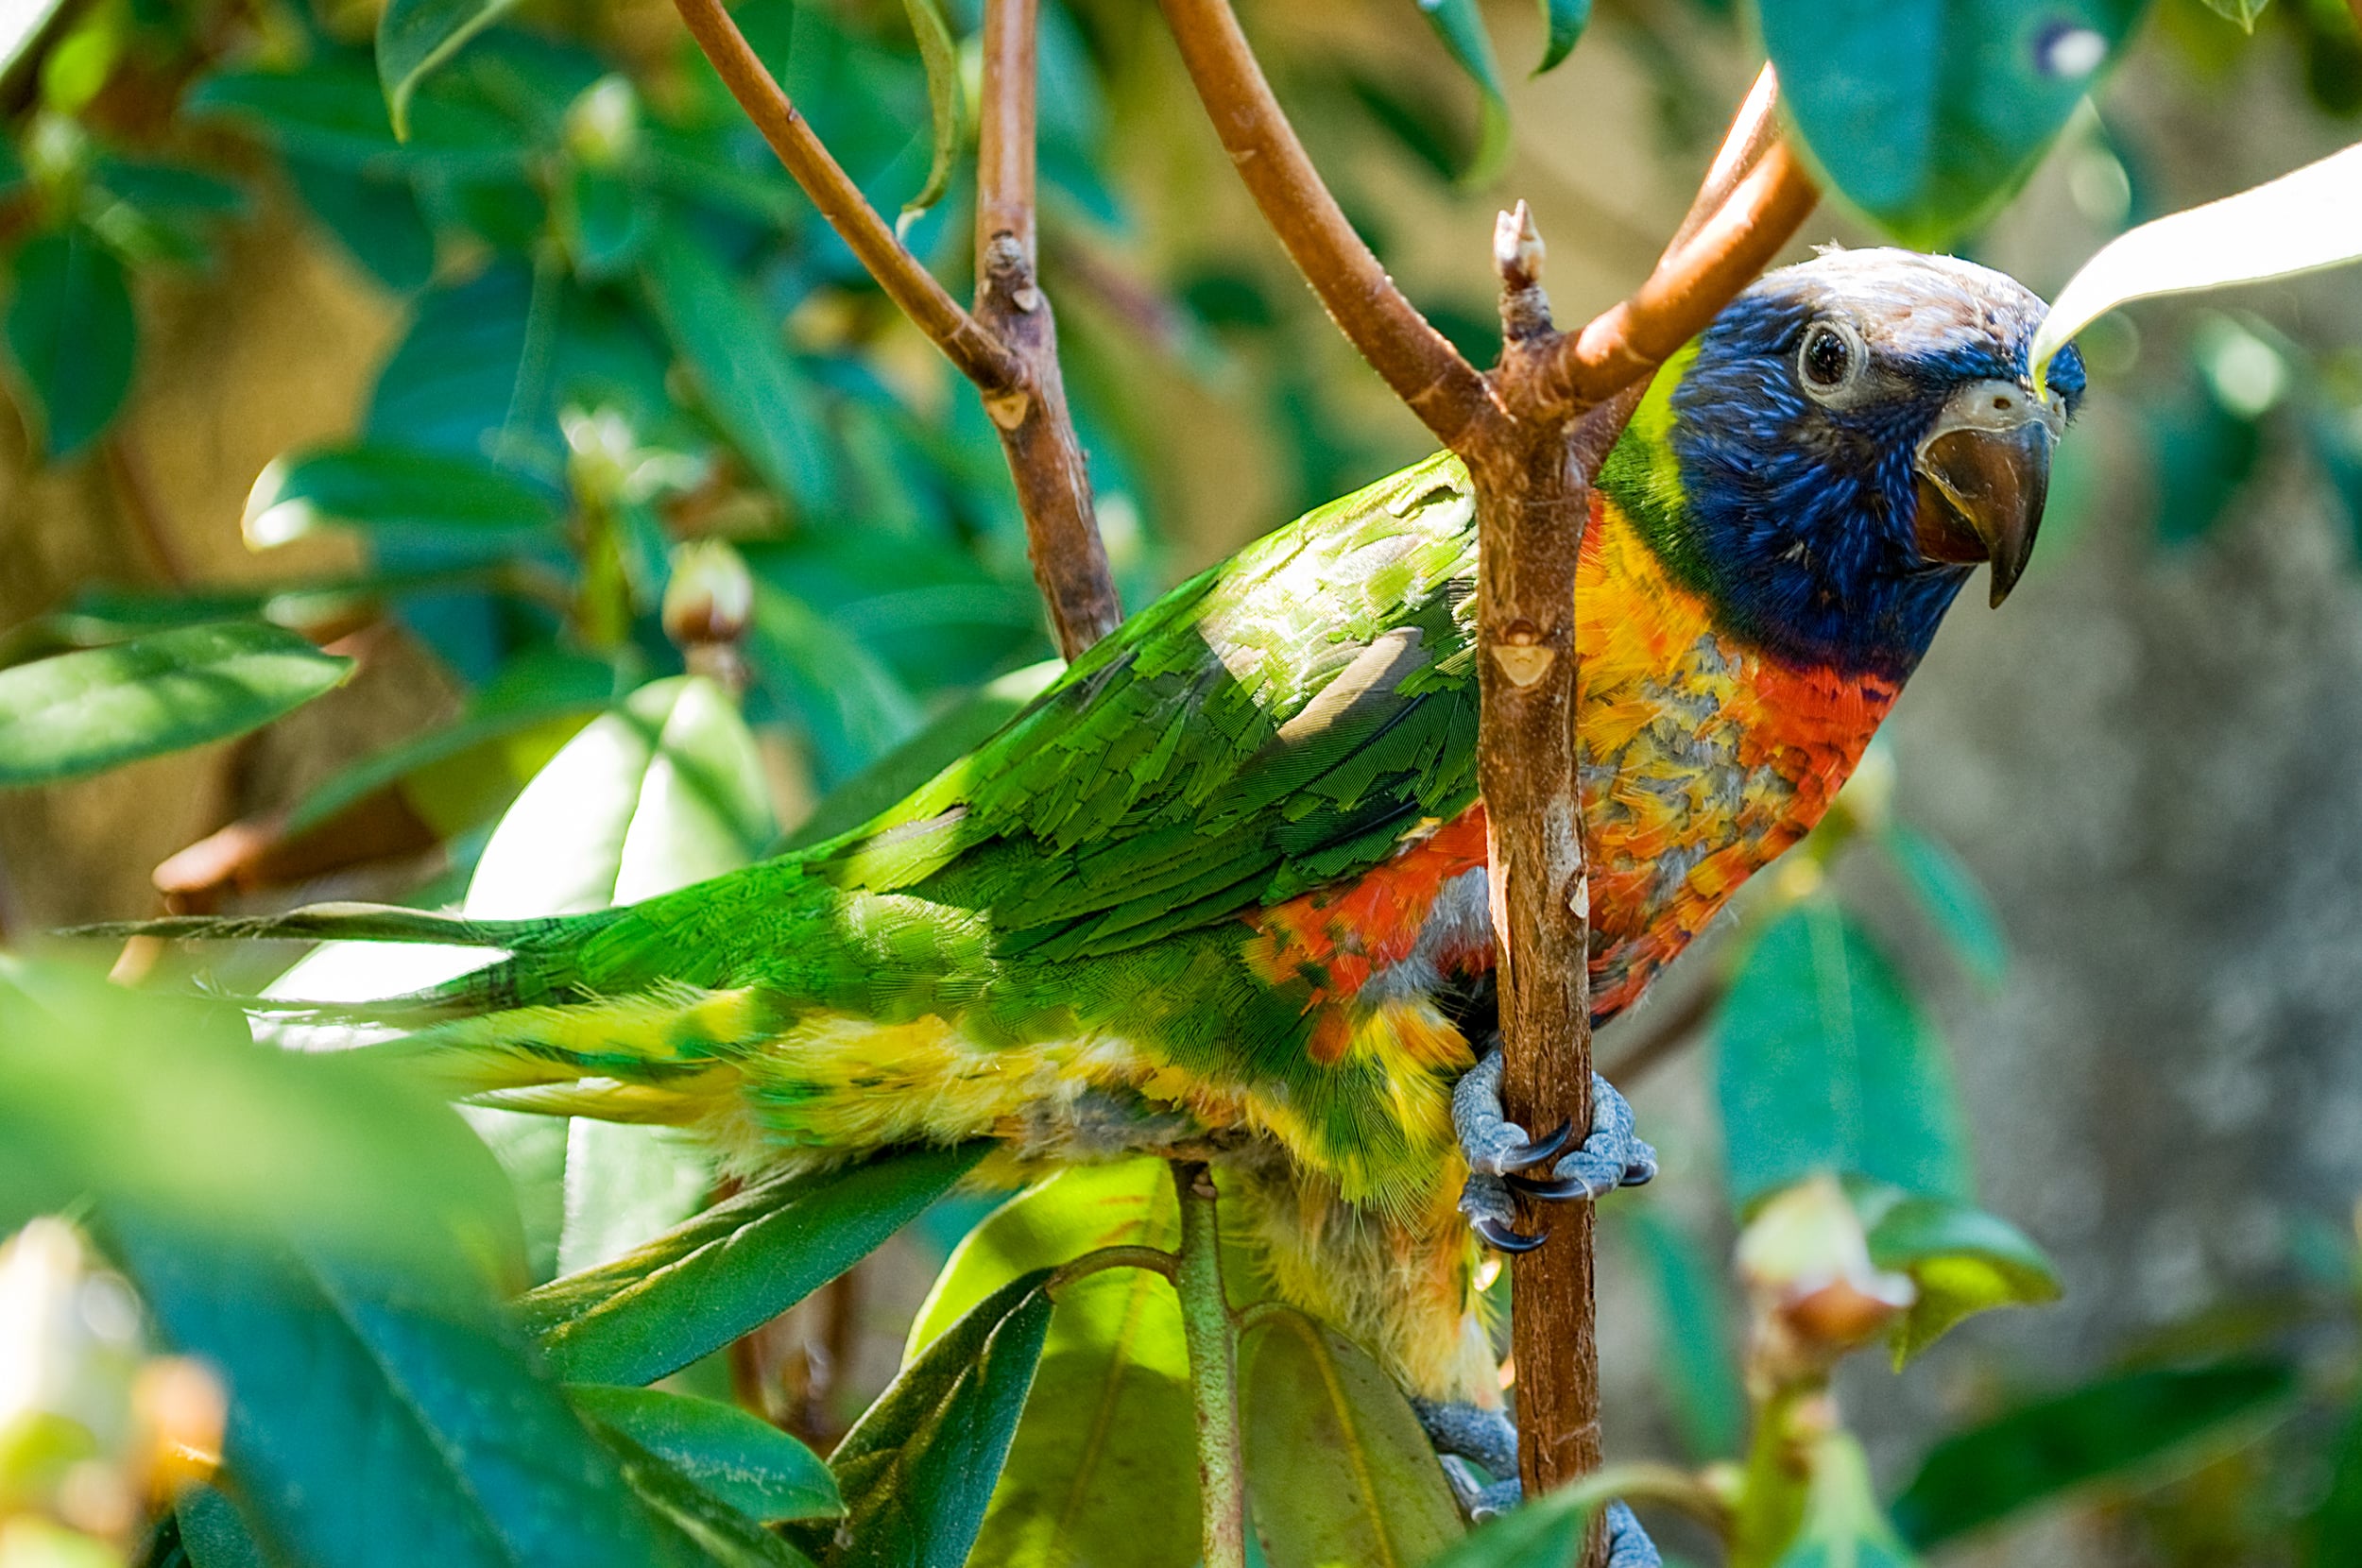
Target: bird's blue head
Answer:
pixel 1829 461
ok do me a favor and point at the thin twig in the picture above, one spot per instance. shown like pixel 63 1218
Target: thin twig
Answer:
pixel 1418 362
pixel 1213 1370
pixel 928 304
pixel 1005 126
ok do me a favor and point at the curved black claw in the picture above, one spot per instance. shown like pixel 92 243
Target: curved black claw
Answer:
pixel 1555 1188
pixel 1502 1238
pixel 1547 1147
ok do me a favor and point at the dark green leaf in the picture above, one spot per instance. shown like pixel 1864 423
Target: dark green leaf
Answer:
pixel 358 1383
pixel 946 98
pixel 737 1264
pixel 1546 1533
pixel 741 1458
pixel 1460 27
pixel 935 746
pixel 2333 1532
pixel 415 36
pixel 2203 454
pixel 851 704
pixel 717 1534
pixel 2107 1430
pixel 1103 1467
pixel 375 217
pixel 605 216
pixel 1342 1472
pixel 1692 1324
pixel 212 1532
pixel 1927 114
pixel 1962 1261
pixel 1952 899
pixel 331 111
pixel 84 712
pixel 740 361
pixel 168 187
pixel 1565 21
pixel 72 333
pixel 1825 1062
pixel 384 488
pixel 919 1467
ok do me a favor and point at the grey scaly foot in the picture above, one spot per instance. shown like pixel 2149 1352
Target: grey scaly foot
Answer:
pixel 1488 1437
pixel 1501 1156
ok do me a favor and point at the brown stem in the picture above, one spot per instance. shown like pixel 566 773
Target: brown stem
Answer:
pixel 979 356
pixel 1046 460
pixel 1424 371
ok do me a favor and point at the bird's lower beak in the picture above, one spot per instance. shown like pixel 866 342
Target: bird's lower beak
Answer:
pixel 1984 470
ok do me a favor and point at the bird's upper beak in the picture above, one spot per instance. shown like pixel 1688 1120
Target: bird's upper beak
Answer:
pixel 1984 468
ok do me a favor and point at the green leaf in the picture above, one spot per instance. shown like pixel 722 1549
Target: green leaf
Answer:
pixel 73 335
pixel 457 777
pixel 1692 1321
pixel 852 704
pixel 415 36
pixel 739 1457
pixel 946 98
pixel 1952 899
pixel 375 217
pixel 1548 1533
pixel 741 366
pixel 2242 11
pixel 385 487
pixel 1926 114
pixel 1823 1063
pixel 2301 222
pixel 83 712
pixel 213 1533
pixel 356 1384
pixel 331 111
pixel 1342 1472
pixel 605 216
pixel 714 1533
pixel 1460 27
pixel 918 1468
pixel 732 1268
pixel 2333 1532
pixel 2107 1430
pixel 1843 1526
pixel 935 746
pixel 1963 1260
pixel 1565 21
pixel 1103 1466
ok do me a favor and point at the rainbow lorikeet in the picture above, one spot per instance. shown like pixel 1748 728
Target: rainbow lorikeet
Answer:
pixel 1222 888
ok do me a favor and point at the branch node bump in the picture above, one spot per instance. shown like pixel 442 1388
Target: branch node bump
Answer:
pixel 1518 256
pixel 1009 409
pixel 1524 663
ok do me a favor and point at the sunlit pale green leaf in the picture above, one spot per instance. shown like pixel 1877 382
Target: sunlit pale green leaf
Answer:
pixel 741 1458
pixel 1825 1062
pixel 1342 1472
pixel 1927 114
pixel 2298 223
pixel 72 334
pixel 1962 1261
pixel 1460 27
pixel 2242 11
pixel 946 99
pixel 2107 1430
pixel 715 1534
pixel 1949 894
pixel 415 36
pixel 82 713
pixel 739 1264
pixel 1103 1469
pixel 918 1468
pixel 385 486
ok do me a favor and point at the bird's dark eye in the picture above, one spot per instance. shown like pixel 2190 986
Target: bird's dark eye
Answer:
pixel 1826 359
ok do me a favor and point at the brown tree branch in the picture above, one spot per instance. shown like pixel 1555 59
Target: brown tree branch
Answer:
pixel 1046 459
pixel 1008 349
pixel 1418 362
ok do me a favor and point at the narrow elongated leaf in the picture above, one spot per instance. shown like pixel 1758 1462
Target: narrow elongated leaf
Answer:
pixel 741 365
pixel 946 99
pixel 2301 222
pixel 1952 899
pixel 360 1388
pixel 415 36
pixel 1927 114
pixel 384 486
pixel 1823 1063
pixel 72 333
pixel 1342 1472
pixel 918 1468
pixel 713 1532
pixel 739 1264
pixel 1962 1261
pixel 1460 27
pixel 1565 21
pixel 83 712
pixel 1696 1367
pixel 741 1458
pixel 1103 1469
pixel 2106 1430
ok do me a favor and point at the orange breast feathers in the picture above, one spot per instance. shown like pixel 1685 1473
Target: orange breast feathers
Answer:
pixel 1701 761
